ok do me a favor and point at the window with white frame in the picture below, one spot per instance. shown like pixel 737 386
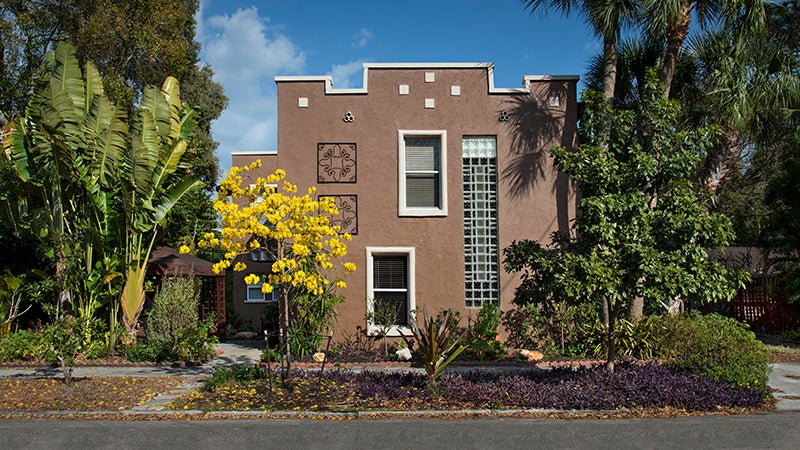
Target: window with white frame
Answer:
pixel 255 295
pixel 422 163
pixel 480 220
pixel 390 289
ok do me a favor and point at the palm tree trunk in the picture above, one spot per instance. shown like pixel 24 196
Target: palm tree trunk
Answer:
pixel 676 34
pixel 721 160
pixel 609 66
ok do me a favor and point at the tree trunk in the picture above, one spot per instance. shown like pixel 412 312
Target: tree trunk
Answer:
pixel 676 35
pixel 721 160
pixel 610 341
pixel 285 324
pixel 637 310
pixel 609 66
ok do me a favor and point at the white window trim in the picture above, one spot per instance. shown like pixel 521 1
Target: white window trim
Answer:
pixel 402 209
pixel 408 252
pixel 273 296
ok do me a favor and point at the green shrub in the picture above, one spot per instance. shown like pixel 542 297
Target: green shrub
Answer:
pixel 23 346
pixel 140 352
pixel 632 340
pixel 220 376
pixel 313 317
pixel 558 329
pixel 65 337
pixel 98 349
pixel 174 329
pixel 717 347
pixel 483 343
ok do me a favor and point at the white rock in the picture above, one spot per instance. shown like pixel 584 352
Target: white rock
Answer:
pixel 404 354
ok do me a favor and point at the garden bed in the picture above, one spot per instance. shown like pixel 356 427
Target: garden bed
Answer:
pixel 648 386
pixel 82 394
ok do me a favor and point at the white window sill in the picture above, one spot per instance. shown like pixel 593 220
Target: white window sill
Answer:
pixel 422 212
pixel 395 331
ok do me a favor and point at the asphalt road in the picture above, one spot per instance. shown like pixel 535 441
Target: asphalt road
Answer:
pixel 772 430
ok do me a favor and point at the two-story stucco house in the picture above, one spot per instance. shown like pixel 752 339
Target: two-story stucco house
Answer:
pixel 435 170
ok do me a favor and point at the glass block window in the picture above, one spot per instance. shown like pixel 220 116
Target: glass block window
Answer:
pixel 480 220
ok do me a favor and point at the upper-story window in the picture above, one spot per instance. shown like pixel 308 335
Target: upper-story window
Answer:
pixel 422 172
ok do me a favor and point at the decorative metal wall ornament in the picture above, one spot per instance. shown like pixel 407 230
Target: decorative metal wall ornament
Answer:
pixel 504 117
pixel 348 117
pixel 336 163
pixel 347 219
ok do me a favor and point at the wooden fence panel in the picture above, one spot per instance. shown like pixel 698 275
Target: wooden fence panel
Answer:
pixel 762 305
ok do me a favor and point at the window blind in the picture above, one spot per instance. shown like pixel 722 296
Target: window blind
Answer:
pixel 422 163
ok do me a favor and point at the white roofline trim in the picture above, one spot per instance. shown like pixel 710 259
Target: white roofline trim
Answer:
pixel 429 65
pixel 552 77
pixel 329 89
pixel 255 152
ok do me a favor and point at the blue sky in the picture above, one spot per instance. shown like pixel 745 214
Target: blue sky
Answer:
pixel 248 43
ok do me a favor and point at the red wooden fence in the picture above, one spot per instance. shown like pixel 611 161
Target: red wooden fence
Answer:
pixel 762 305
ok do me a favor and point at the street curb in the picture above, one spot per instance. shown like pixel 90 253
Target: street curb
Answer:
pixel 330 415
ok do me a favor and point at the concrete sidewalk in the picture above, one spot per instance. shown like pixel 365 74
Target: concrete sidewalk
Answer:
pixel 785 382
pixel 233 353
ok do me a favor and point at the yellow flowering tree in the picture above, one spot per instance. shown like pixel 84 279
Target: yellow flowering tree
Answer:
pixel 269 215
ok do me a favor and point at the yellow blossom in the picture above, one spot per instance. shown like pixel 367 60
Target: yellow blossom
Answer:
pixel 185 249
pixel 266 288
pixel 239 267
pixel 349 267
pixel 252 279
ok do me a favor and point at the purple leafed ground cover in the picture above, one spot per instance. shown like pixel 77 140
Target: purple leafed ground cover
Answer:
pixel 630 386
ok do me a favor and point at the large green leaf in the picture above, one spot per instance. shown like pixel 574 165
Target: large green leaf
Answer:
pixel 171 197
pixel 66 74
pixel 172 94
pixel 16 148
pixel 94 85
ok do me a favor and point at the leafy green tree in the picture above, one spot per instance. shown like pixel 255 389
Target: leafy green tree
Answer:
pixel 645 226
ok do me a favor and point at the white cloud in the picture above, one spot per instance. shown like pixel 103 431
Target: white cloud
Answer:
pixel 361 38
pixel 348 75
pixel 246 54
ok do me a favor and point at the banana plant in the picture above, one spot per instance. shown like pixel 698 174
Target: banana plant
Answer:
pixel 154 177
pixel 63 151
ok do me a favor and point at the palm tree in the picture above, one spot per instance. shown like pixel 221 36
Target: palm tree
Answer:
pixel 607 19
pixel 751 89
pixel 670 20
